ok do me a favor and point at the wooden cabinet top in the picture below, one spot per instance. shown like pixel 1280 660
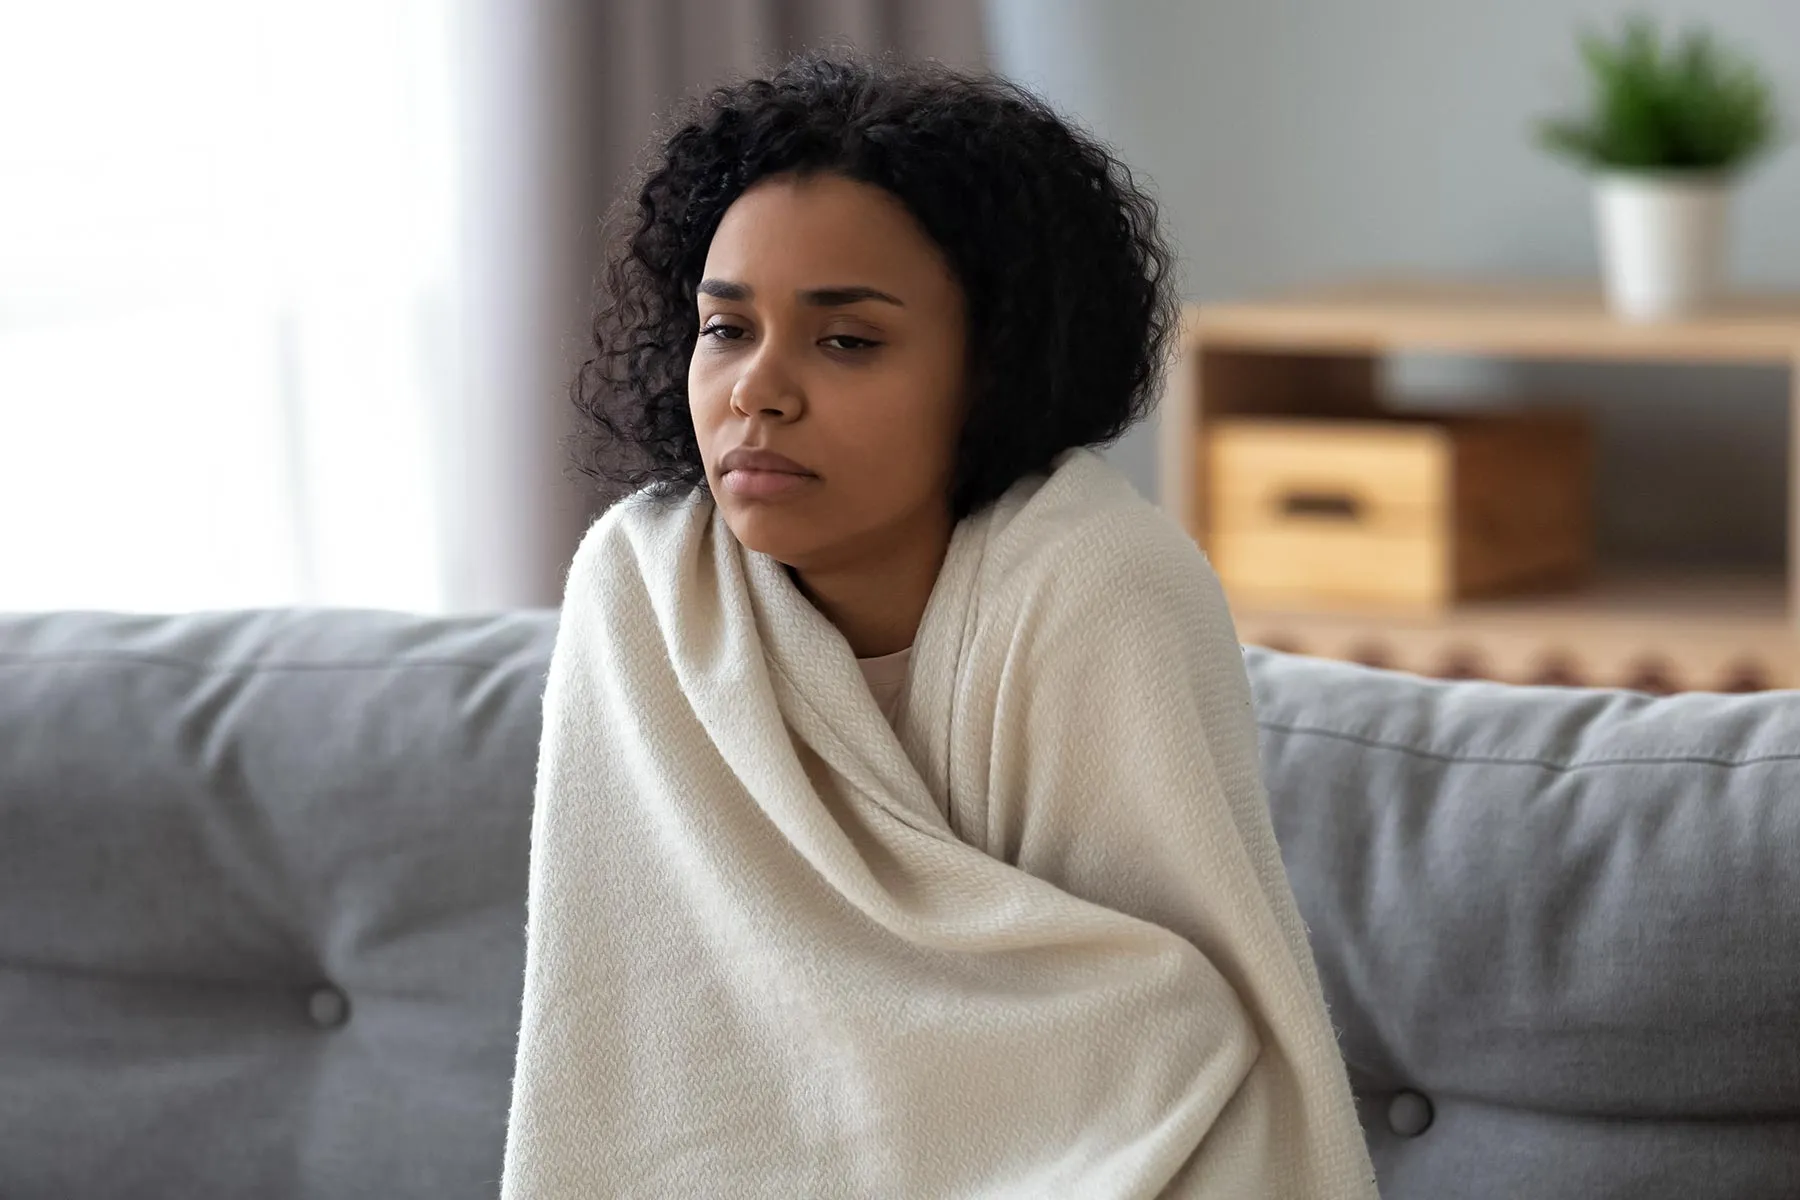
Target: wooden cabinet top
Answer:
pixel 1522 320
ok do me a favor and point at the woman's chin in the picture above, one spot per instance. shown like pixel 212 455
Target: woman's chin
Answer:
pixel 787 537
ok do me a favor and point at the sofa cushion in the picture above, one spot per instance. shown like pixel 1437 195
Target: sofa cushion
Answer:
pixel 262 888
pixel 1559 930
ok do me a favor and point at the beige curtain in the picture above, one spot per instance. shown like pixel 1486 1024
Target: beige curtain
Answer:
pixel 658 50
pixel 559 100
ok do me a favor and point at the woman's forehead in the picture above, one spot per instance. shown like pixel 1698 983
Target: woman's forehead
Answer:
pixel 818 233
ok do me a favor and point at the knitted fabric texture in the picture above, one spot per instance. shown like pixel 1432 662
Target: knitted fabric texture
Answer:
pixel 1034 941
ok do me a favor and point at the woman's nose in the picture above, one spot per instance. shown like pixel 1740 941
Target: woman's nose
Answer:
pixel 766 388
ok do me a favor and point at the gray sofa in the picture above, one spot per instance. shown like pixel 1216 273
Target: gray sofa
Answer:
pixel 262 882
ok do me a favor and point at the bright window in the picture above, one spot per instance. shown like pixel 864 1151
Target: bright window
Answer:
pixel 227 258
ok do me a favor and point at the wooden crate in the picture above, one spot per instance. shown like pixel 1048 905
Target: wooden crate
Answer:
pixel 1408 512
pixel 1656 626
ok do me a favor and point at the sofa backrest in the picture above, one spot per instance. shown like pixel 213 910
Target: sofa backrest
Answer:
pixel 262 902
pixel 1559 929
pixel 262 884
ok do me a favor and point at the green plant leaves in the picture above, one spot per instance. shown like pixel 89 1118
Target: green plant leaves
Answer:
pixel 1693 105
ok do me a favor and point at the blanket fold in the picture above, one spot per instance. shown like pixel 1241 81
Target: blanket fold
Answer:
pixel 1034 942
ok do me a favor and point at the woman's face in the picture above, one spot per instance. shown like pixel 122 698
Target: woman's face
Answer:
pixel 827 383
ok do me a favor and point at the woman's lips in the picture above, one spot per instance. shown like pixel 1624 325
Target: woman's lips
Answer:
pixel 753 484
pixel 758 473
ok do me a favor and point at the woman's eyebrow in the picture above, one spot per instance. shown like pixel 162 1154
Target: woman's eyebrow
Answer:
pixel 838 297
pixel 827 297
pixel 724 289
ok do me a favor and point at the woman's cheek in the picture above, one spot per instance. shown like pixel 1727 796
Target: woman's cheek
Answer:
pixel 708 396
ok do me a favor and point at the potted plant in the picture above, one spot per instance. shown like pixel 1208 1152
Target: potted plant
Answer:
pixel 1666 134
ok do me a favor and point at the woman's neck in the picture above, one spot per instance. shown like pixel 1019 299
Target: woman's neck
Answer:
pixel 877 596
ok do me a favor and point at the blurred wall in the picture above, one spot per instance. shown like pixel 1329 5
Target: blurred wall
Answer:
pixel 1292 141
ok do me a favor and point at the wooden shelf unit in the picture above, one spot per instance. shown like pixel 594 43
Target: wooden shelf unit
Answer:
pixel 1318 355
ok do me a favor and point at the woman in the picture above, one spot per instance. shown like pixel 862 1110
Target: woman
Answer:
pixel 898 828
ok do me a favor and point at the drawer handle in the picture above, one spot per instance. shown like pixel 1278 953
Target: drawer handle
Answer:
pixel 1324 506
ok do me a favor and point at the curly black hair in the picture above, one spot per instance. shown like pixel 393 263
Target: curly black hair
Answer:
pixel 1056 248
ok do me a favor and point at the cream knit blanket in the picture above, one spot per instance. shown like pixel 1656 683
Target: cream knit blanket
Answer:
pixel 1036 944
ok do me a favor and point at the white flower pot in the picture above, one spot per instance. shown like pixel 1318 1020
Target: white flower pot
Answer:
pixel 1662 241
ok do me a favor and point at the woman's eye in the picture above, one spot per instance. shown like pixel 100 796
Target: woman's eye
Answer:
pixel 845 341
pixel 723 331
